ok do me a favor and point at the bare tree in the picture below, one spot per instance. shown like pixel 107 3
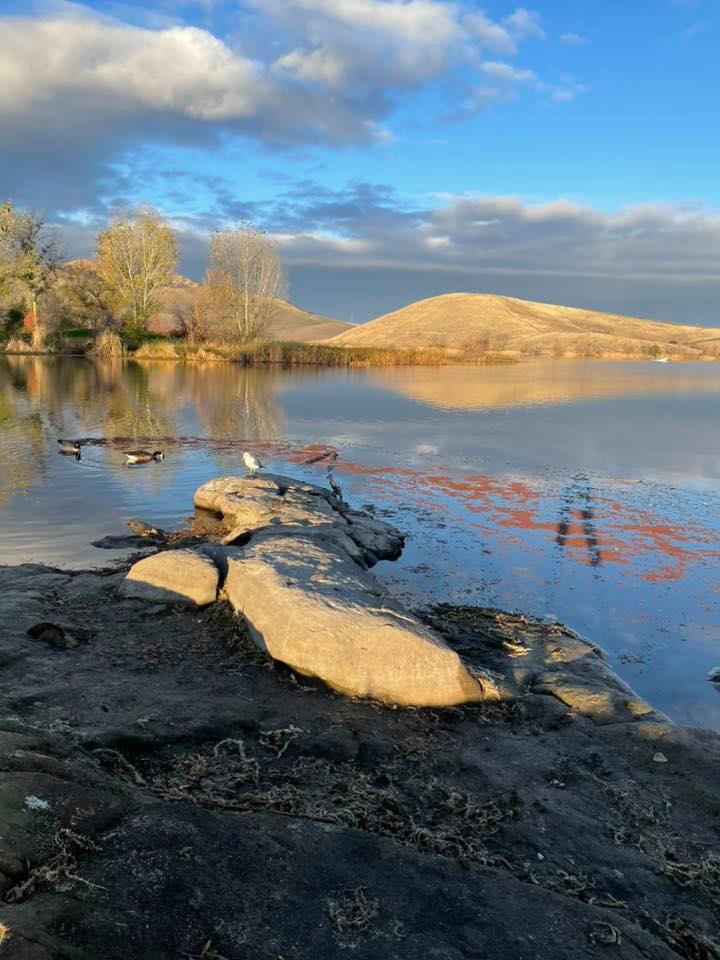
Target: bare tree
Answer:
pixel 29 258
pixel 136 257
pixel 243 283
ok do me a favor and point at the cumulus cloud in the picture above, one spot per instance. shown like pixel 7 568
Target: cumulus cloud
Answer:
pixel 182 70
pixel 369 45
pixel 80 91
pixel 574 39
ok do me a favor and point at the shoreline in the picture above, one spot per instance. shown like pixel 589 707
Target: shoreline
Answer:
pixel 298 355
pixel 167 784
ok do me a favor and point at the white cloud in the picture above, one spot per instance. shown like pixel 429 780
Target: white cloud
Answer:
pixel 80 91
pixel 573 39
pixel 524 23
pixel 567 89
pixel 182 70
pixel 506 72
pixel 491 36
pixel 367 45
pixel 418 22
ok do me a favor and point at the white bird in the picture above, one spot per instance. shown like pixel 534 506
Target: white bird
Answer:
pixel 252 463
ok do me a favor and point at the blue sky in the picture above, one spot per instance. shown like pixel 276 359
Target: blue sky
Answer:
pixel 566 150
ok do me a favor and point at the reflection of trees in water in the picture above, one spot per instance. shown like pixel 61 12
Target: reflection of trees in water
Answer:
pixel 233 402
pixel 135 406
pixel 44 398
pixel 22 433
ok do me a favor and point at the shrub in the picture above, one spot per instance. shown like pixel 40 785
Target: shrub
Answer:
pixel 18 345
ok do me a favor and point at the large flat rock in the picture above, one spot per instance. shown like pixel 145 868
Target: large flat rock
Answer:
pixel 310 606
pixel 173 576
pixel 249 504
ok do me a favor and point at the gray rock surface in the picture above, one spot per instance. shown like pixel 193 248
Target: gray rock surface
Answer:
pixel 173 576
pixel 162 788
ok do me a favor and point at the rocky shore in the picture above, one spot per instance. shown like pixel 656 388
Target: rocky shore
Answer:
pixel 239 747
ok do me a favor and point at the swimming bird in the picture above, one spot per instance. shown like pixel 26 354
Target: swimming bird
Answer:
pixel 71 447
pixel 143 456
pixel 252 463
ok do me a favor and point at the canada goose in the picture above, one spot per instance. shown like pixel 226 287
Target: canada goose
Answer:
pixel 252 463
pixel 70 446
pixel 143 456
pixel 142 529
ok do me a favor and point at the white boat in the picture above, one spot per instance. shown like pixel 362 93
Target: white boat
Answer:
pixel 660 359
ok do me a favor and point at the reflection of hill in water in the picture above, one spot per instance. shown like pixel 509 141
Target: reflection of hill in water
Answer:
pixel 527 384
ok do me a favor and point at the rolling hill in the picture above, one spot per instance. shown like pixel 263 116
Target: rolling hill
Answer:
pixel 290 322
pixel 293 323
pixel 475 323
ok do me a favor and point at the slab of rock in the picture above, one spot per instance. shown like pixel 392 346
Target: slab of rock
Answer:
pixel 250 504
pixel 576 673
pixel 310 606
pixel 173 576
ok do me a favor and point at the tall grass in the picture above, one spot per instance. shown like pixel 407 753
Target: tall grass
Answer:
pixel 108 344
pixel 288 354
pixel 18 345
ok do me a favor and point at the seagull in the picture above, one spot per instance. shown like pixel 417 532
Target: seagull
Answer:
pixel 252 463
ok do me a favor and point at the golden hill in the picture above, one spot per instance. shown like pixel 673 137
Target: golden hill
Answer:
pixel 474 323
pixel 294 323
pixel 289 322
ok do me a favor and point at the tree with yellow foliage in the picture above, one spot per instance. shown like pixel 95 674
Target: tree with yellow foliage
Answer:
pixel 136 257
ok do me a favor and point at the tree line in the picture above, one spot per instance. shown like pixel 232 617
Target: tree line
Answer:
pixel 125 285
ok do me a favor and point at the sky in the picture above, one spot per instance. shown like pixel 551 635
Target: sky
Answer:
pixel 566 151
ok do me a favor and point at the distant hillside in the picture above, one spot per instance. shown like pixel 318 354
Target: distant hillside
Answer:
pixel 294 323
pixel 474 323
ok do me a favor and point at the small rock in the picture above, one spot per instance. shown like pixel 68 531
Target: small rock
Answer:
pixel 660 758
pixel 173 576
pixel 36 803
pixel 63 638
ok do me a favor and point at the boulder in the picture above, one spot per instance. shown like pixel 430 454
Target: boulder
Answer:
pixel 173 576
pixel 250 504
pixel 312 607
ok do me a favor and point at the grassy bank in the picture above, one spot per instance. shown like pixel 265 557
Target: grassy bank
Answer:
pixel 110 345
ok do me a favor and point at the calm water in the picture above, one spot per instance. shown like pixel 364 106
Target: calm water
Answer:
pixel 585 492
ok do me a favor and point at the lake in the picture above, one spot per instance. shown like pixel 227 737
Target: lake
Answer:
pixel 586 492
